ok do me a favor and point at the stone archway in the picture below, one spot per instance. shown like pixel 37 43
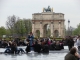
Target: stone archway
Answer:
pixel 41 20
pixel 37 33
pixel 56 33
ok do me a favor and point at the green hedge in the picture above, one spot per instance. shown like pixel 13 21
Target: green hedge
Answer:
pixel 58 38
pixel 52 38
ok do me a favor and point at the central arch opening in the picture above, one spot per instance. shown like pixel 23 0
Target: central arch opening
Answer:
pixel 46 31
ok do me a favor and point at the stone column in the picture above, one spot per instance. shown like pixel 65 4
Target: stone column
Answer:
pixel 41 29
pixel 59 28
pixel 33 29
pixel 51 29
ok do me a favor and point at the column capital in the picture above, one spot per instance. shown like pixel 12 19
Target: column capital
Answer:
pixel 59 22
pixel 51 22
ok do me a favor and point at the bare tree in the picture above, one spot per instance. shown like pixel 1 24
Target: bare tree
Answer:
pixel 11 24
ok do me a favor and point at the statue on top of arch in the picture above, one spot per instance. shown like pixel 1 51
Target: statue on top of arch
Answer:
pixel 48 9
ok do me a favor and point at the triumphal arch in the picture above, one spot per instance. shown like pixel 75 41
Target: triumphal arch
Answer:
pixel 48 20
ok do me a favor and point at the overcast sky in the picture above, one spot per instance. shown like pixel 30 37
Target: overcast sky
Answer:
pixel 25 9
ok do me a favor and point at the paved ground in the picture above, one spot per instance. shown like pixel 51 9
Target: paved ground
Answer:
pixel 31 56
pixel 53 55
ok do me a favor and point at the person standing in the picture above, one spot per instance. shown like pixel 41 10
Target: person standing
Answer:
pixel 31 40
pixel 70 42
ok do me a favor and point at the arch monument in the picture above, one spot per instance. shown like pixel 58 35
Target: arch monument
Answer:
pixel 54 21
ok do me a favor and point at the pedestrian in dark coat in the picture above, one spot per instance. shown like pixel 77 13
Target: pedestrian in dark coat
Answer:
pixel 72 55
pixel 37 47
pixel 14 48
pixel 57 46
pixel 70 42
pixel 27 48
pixel 45 48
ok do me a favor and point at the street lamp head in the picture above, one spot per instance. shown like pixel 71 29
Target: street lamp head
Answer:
pixel 68 21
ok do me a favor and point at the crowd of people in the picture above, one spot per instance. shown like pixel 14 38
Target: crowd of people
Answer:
pixel 38 45
pixel 42 45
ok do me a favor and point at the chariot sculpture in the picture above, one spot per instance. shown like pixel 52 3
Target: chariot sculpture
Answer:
pixel 48 9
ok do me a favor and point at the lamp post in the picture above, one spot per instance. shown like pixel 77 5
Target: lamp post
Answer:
pixel 71 30
pixel 68 26
pixel 13 22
